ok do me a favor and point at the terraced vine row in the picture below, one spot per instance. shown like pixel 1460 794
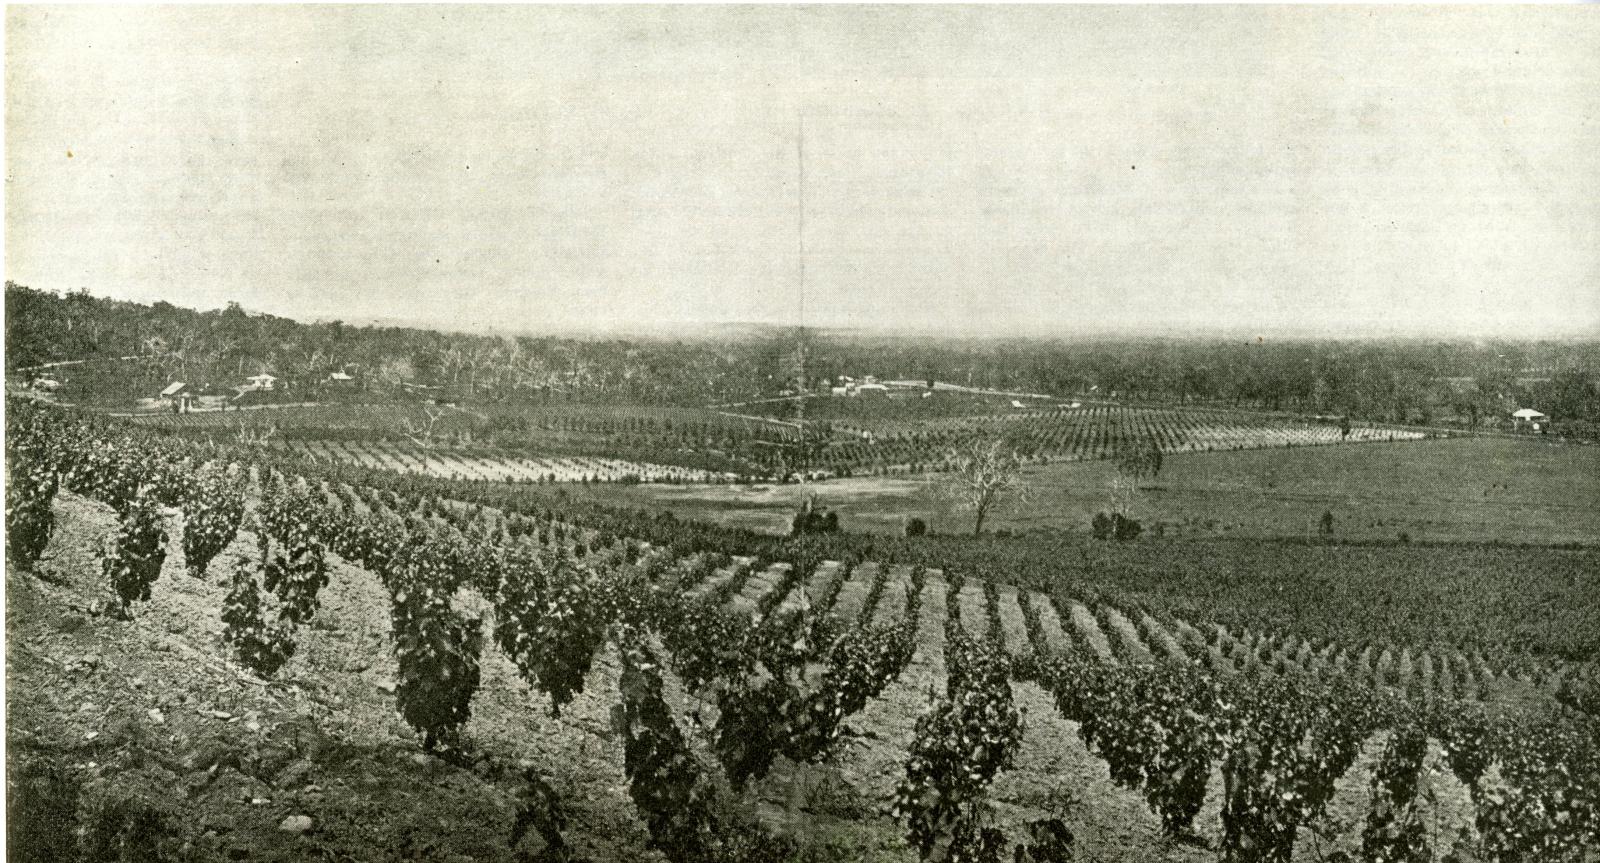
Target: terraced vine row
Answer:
pixel 496 467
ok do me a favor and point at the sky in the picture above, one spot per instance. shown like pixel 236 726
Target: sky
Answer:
pixel 987 170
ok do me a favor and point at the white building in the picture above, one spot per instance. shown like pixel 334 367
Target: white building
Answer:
pixel 262 381
pixel 1530 416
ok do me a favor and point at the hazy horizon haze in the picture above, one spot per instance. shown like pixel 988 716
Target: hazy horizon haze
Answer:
pixel 1286 172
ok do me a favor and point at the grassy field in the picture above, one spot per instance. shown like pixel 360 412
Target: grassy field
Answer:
pixel 1465 489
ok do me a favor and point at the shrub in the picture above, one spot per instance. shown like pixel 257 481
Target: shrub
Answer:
pixel 1125 529
pixel 1100 526
pixel 809 521
pixel 916 527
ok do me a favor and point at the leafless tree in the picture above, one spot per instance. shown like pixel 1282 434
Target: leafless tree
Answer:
pixel 313 361
pixel 983 473
pixel 254 436
pixel 422 433
pixel 479 363
pixel 452 360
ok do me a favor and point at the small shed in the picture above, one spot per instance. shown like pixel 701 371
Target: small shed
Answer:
pixel 340 377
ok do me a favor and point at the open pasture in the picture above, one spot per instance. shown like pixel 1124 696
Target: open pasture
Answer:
pixel 1458 489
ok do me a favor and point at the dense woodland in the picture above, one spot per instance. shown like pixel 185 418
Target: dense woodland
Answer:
pixel 1472 384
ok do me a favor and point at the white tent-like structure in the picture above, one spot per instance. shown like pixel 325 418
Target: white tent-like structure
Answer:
pixel 1538 421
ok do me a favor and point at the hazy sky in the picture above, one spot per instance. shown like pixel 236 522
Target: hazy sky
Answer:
pixel 991 169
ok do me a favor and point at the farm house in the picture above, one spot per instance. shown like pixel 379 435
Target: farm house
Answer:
pixel 262 381
pixel 178 396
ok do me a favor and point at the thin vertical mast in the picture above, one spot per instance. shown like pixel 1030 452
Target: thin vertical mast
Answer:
pixel 800 160
pixel 800 153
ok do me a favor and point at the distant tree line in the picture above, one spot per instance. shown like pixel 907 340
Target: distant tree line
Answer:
pixel 1469 384
pixel 229 344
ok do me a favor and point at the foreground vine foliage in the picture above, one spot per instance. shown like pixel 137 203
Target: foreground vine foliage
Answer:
pixel 551 619
pixel 437 648
pixel 1394 830
pixel 213 510
pixel 131 558
pixel 31 488
pixel 960 745
pixel 261 646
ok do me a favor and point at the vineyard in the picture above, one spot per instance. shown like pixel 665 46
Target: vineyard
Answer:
pixel 1092 432
pixel 677 674
pixel 661 441
pixel 489 466
pixel 699 445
